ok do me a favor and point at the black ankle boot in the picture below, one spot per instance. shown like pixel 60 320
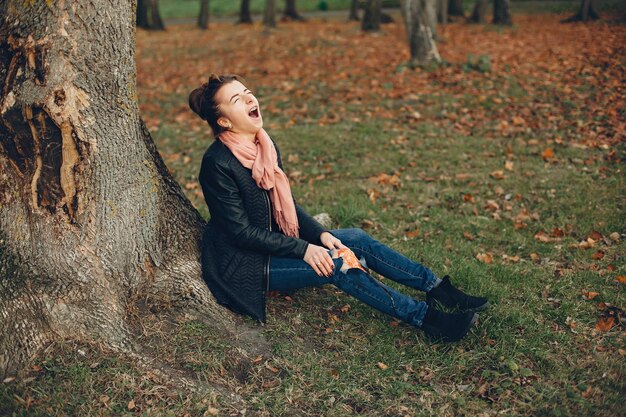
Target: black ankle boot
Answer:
pixel 448 327
pixel 452 297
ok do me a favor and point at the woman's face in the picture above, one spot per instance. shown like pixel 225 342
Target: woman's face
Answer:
pixel 239 108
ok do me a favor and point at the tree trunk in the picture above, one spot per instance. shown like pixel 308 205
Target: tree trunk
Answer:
pixel 371 17
pixel 90 219
pixel 203 17
pixel 442 11
pixel 269 16
pixel 421 43
pixel 455 8
pixel 501 12
pixel 354 11
pixel 586 12
pixel 431 14
pixel 244 12
pixel 479 15
pixel 291 12
pixel 148 16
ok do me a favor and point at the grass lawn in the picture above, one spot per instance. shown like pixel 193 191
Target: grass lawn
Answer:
pixel 508 176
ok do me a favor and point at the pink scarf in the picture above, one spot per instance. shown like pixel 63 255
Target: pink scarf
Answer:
pixel 261 157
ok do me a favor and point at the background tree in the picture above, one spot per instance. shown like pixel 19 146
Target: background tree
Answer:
pixel 269 15
pixel 502 12
pixel 371 17
pixel 291 12
pixel 455 8
pixel 586 12
pixel 442 11
pixel 421 43
pixel 354 11
pixel 479 14
pixel 148 15
pixel 203 16
pixel 91 220
pixel 431 14
pixel 244 12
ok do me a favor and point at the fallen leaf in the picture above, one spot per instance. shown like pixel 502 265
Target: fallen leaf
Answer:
pixel 590 295
pixel 468 236
pixel 621 279
pixel 595 235
pixel 548 153
pixel 513 259
pixel 485 258
pixel 412 233
pixel 615 237
pixel 497 174
pixel 382 366
pixel 605 323
pixel 131 405
pixel 534 257
pixel 598 255
pixel 508 165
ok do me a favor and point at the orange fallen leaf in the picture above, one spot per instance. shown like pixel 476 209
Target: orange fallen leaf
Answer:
pixel 412 233
pixel 485 258
pixel 590 295
pixel 468 236
pixel 605 323
pixel 548 153
pixel 598 255
pixel 621 279
pixel 497 174
pixel 382 366
pixel 595 235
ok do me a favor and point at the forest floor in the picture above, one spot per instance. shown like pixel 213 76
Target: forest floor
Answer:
pixel 503 167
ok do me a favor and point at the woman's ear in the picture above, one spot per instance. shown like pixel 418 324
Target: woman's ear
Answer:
pixel 224 122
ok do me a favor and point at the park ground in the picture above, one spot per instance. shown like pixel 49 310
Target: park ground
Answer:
pixel 503 167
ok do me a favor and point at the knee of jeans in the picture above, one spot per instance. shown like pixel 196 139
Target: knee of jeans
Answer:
pixel 353 235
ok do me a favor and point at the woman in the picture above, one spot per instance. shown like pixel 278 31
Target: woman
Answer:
pixel 259 239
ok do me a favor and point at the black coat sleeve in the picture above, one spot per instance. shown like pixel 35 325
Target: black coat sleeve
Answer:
pixel 310 229
pixel 224 200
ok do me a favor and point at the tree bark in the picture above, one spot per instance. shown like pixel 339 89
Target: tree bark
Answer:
pixel 431 14
pixel 148 16
pixel 421 43
pixel 90 218
pixel 244 12
pixel 585 13
pixel 269 16
pixel 291 12
pixel 203 16
pixel 455 8
pixel 371 17
pixel 479 15
pixel 442 11
pixel 354 11
pixel 502 12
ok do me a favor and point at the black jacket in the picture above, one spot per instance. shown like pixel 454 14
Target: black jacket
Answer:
pixel 242 233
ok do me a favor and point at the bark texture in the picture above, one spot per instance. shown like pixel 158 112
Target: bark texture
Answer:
pixel 203 16
pixel 148 15
pixel 269 15
pixel 90 218
pixel 244 12
pixel 502 12
pixel 291 13
pixel 372 16
pixel 421 43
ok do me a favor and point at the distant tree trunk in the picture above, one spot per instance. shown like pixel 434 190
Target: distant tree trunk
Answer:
pixel 586 12
pixel 502 12
pixel 431 13
pixel 244 12
pixel 291 12
pixel 269 16
pixel 421 43
pixel 148 16
pixel 371 17
pixel 91 220
pixel 455 8
pixel 203 17
pixel 354 11
pixel 442 12
pixel 479 15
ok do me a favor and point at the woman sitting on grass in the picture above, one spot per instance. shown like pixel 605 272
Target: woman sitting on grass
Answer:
pixel 259 239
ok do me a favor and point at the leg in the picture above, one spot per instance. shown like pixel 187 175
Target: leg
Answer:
pixel 387 261
pixel 293 273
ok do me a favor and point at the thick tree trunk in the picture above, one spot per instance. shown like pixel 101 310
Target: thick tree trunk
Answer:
pixel 269 16
pixel 431 14
pixel 90 218
pixel 244 12
pixel 421 43
pixel 203 16
pixel 455 8
pixel 479 15
pixel 354 11
pixel 371 17
pixel 586 12
pixel 148 16
pixel 442 12
pixel 291 13
pixel 502 12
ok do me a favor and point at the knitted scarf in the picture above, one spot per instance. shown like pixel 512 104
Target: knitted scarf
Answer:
pixel 261 157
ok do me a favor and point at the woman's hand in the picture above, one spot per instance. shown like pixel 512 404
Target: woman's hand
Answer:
pixel 331 242
pixel 319 259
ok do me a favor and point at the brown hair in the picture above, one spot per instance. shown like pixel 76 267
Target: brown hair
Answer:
pixel 202 100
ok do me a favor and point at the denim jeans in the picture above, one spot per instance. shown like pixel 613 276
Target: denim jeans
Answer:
pixel 293 273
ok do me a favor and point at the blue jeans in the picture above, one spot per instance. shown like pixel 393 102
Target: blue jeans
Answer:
pixel 293 273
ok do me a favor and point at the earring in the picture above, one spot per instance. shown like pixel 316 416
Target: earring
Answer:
pixel 230 126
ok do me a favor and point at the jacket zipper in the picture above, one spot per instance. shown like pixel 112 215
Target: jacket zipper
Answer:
pixel 267 267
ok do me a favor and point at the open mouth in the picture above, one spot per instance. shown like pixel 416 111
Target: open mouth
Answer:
pixel 254 112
